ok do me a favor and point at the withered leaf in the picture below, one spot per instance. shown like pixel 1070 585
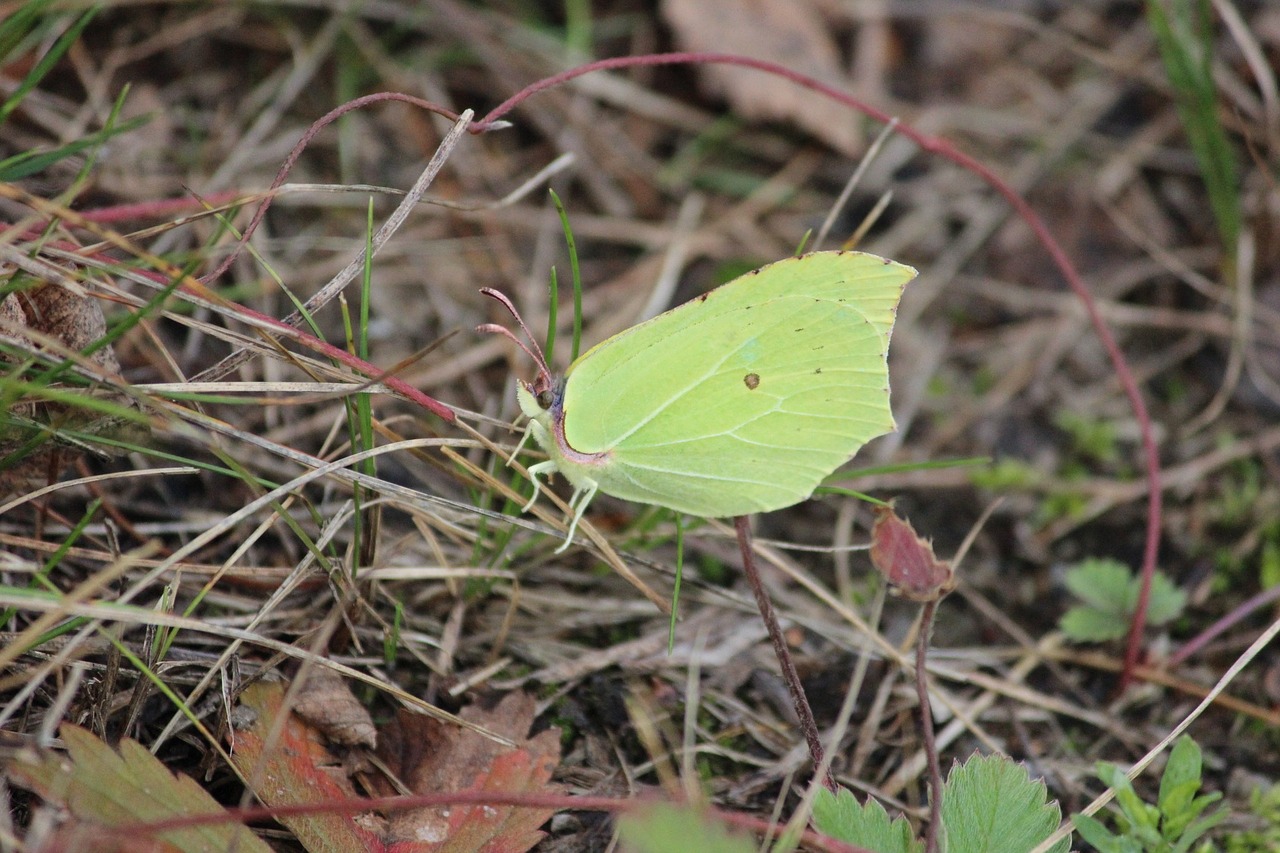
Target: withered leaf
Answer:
pixel 906 560
pixel 792 33
pixel 432 756
pixel 102 788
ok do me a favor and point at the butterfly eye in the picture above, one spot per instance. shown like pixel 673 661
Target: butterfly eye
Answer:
pixel 545 398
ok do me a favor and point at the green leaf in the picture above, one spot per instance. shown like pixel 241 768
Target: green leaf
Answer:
pixel 1144 820
pixel 839 816
pixel 1199 828
pixel 46 63
pixel 1084 624
pixel 98 785
pixel 1269 564
pixel 1178 801
pixel 664 827
pixel 991 805
pixel 1093 831
pixel 1182 769
pixel 1184 765
pixel 1103 584
pixel 1167 600
pixel 1109 591
pixel 1180 808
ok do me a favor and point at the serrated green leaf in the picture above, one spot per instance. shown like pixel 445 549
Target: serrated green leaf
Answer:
pixel 840 816
pixel 99 785
pixel 991 805
pixel 664 827
pixel 1102 583
pixel 1167 600
pixel 1110 591
pixel 1086 624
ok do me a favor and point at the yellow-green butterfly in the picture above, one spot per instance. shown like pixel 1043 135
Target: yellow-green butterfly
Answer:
pixel 741 400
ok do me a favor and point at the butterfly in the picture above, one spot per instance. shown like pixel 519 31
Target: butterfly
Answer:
pixel 741 400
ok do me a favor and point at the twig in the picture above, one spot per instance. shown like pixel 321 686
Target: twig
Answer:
pixel 927 614
pixel 808 725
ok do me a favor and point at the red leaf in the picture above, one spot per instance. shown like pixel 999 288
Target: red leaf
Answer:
pixel 297 769
pixel 906 560
pixel 431 756
pixel 426 756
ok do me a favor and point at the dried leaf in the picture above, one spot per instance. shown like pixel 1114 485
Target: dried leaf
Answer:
pixel 431 756
pixel 426 757
pixel 906 560
pixel 325 701
pixel 29 319
pixel 75 321
pixel 104 788
pixel 792 33
pixel 297 770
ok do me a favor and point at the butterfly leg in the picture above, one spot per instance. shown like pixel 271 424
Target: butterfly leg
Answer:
pixel 524 439
pixel 578 503
pixel 542 468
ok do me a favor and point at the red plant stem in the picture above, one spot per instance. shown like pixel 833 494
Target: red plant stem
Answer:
pixel 946 150
pixel 804 713
pixel 1237 615
pixel 159 207
pixel 320 123
pixel 927 614
pixel 474 797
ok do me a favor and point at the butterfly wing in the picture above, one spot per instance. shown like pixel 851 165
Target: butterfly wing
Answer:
pixel 744 399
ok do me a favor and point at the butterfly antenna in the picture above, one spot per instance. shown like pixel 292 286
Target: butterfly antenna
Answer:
pixel 534 352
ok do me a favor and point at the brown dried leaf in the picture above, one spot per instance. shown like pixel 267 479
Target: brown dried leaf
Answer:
pixel 426 757
pixel 102 788
pixel 29 319
pixel 906 560
pixel 434 757
pixel 297 770
pixel 73 320
pixel 792 33
pixel 326 702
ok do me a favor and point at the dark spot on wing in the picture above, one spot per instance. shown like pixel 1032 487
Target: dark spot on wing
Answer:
pixel 752 381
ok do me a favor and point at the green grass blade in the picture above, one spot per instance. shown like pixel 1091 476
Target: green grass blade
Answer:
pixel 1184 36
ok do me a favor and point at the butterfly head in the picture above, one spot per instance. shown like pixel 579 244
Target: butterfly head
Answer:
pixel 541 399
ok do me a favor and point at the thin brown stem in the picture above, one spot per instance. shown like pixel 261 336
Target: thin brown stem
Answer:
pixel 808 725
pixel 926 728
